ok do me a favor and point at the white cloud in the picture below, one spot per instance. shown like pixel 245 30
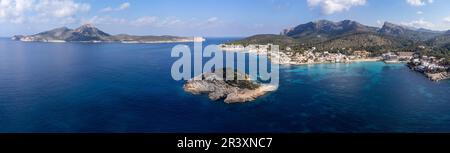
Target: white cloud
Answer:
pixel 419 24
pixel 60 8
pixel 143 21
pixel 124 6
pixel 153 21
pixel 18 11
pixel 379 22
pixel 443 24
pixel 334 6
pixel 447 19
pixel 212 19
pixel 96 20
pixel 419 2
pixel 107 9
pixel 419 12
pixel 14 10
pixel 121 7
pixel 169 21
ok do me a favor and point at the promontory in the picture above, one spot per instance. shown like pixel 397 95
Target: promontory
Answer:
pixel 89 33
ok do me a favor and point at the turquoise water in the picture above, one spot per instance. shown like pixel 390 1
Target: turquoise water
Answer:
pixel 112 87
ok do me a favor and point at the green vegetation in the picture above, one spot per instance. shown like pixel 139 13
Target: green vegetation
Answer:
pixel 282 41
pixel 240 80
pixel 347 36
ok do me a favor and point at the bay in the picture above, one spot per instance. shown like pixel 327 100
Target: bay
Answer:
pixel 113 87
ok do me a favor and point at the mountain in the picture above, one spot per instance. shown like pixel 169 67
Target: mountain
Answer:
pixel 89 33
pixel 440 40
pixel 430 31
pixel 323 30
pixel 362 41
pixel 58 33
pixel 393 29
pixel 326 35
pixel 52 35
pixel 334 36
pixel 407 32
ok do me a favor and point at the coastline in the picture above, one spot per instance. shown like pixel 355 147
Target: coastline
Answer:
pixel 438 76
pixel 309 58
pixel 109 39
pixel 122 42
pixel 286 60
pixel 300 92
pixel 88 33
pixel 350 61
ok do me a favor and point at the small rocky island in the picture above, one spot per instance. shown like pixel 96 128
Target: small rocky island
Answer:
pixel 89 33
pixel 231 91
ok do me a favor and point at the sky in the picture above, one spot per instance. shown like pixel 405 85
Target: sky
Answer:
pixel 213 18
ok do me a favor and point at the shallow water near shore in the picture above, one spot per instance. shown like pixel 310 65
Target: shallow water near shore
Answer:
pixel 113 87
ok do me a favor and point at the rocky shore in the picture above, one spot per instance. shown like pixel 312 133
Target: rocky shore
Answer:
pixel 433 68
pixel 438 76
pixel 231 91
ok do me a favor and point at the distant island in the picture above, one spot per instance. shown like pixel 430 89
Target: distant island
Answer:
pixel 324 41
pixel 89 33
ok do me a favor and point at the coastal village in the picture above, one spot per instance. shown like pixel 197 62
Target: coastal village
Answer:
pixel 434 68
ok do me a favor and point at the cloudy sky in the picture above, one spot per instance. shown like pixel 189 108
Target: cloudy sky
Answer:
pixel 213 17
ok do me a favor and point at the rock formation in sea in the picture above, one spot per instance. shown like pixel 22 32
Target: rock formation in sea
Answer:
pixel 239 89
pixel 438 76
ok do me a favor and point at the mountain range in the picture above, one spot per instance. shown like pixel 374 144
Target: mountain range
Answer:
pixel 334 36
pixel 89 33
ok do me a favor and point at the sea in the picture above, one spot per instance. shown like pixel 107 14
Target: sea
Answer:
pixel 122 88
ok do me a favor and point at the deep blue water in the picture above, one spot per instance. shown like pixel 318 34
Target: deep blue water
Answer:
pixel 112 87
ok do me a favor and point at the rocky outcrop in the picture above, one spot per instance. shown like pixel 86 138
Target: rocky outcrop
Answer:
pixel 433 69
pixel 438 76
pixel 231 91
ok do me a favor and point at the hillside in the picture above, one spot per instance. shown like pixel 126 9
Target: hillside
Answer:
pixel 89 33
pixel 417 35
pixel 323 30
pixel 281 40
pixel 345 35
